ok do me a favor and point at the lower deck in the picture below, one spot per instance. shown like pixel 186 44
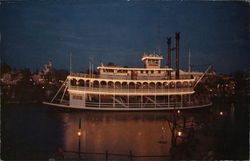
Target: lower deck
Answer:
pixel 128 102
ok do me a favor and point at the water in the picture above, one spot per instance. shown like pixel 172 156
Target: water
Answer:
pixel 34 131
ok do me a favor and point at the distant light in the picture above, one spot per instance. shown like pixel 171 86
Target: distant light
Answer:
pixel 178 111
pixel 79 133
pixel 221 113
pixel 179 133
pixel 43 87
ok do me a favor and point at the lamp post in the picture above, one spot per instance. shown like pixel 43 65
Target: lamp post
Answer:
pixel 79 133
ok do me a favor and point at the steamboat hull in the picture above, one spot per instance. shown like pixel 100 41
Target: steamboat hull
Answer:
pixel 64 106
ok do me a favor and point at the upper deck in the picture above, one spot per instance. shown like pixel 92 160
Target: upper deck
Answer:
pixel 132 73
pixel 94 84
pixel 151 70
pixel 79 82
pixel 150 73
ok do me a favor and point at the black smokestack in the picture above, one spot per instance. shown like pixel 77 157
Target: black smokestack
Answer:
pixel 177 72
pixel 169 53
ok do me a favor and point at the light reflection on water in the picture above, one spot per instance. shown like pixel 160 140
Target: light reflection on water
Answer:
pixel 37 131
pixel 117 133
pixel 143 133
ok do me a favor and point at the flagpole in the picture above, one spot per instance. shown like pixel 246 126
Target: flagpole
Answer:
pixel 189 61
pixel 70 63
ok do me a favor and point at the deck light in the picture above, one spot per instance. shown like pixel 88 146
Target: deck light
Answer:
pixel 221 113
pixel 79 133
pixel 179 133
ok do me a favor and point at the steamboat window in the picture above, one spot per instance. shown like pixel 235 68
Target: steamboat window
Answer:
pixel 141 71
pixel 121 71
pixel 152 71
pixel 110 70
pixel 159 71
pixel 147 71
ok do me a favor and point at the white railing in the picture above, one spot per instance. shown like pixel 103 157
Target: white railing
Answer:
pixel 132 91
pixel 146 105
pixel 150 77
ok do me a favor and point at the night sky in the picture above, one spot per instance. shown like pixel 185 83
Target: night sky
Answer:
pixel 120 31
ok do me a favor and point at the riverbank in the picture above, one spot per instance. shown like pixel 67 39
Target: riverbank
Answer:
pixel 23 93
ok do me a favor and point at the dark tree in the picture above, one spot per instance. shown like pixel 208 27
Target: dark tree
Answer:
pixel 26 77
pixel 50 76
pixel 240 81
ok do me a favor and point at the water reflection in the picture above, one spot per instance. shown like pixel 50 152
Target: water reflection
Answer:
pixel 191 134
pixel 142 133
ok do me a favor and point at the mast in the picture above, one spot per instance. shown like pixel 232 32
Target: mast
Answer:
pixel 189 61
pixel 169 56
pixel 169 52
pixel 91 66
pixel 70 63
pixel 177 70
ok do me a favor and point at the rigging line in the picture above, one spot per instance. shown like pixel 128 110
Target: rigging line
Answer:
pixel 58 91
pixel 210 66
pixel 66 86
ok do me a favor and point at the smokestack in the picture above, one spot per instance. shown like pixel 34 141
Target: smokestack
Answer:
pixel 177 72
pixel 169 53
